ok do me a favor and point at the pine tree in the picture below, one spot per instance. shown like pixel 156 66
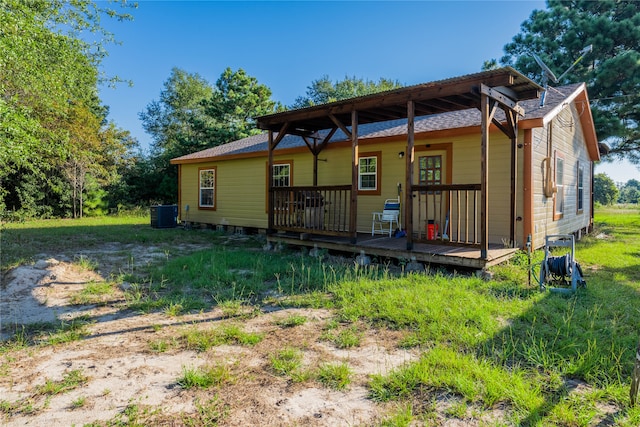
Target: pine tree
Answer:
pixel 611 71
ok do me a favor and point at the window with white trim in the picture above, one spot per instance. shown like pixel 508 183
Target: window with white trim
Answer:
pixel 580 188
pixel 559 200
pixel 368 173
pixel 207 184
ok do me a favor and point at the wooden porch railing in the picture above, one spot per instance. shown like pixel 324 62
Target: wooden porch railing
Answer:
pixel 318 210
pixel 447 213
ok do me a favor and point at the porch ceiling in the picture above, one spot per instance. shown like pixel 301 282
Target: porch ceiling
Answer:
pixel 459 93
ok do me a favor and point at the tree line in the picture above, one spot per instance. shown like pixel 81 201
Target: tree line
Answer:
pixel 607 192
pixel 59 153
pixel 61 157
pixel 192 115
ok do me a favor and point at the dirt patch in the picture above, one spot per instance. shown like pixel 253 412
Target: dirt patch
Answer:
pixel 127 377
pixel 131 363
pixel 41 293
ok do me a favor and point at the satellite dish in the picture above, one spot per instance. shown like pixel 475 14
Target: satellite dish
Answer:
pixel 548 74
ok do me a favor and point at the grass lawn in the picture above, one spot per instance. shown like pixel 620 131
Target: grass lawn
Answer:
pixel 539 358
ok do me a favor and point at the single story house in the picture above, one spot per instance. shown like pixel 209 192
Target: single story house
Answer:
pixel 475 166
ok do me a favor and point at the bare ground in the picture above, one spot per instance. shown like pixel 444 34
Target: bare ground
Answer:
pixel 126 381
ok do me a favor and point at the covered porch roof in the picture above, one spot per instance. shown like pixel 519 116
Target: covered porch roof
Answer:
pixel 454 94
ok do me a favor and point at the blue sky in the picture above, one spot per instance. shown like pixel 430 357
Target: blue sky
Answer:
pixel 287 45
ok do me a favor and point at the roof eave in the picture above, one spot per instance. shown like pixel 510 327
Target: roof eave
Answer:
pixel 586 119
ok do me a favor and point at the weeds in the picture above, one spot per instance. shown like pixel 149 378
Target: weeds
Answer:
pixel 79 402
pixel 238 308
pixel 135 415
pixel 86 263
pixel 208 413
pixel 335 376
pixel 204 377
pixel 287 361
pixel 291 321
pixel 402 417
pixel 345 338
pixel 46 334
pixel 71 380
pixel 25 406
pixel 7 407
pixel 68 332
pixel 94 293
pixel 161 345
pixel 202 340
pixel 173 309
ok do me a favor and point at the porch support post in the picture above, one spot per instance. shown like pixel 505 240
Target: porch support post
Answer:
pixel 353 208
pixel 484 182
pixel 315 169
pixel 527 196
pixel 490 99
pixel 270 226
pixel 316 148
pixel 514 176
pixel 408 180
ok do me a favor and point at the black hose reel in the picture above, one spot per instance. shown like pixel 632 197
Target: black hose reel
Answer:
pixel 560 273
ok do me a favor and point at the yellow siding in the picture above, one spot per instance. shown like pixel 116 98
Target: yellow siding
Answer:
pixel 241 183
pixel 241 190
pixel 392 173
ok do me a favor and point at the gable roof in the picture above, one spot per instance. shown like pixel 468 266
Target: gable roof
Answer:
pixel 535 116
pixel 581 99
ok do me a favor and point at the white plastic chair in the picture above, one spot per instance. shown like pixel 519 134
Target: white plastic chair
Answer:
pixel 390 214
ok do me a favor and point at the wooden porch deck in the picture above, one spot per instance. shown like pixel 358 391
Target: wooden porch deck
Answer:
pixel 391 247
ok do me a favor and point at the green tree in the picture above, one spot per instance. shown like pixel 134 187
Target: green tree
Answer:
pixel 630 192
pixel 605 191
pixel 41 72
pixel 231 110
pixel 95 203
pixel 491 64
pixel 192 115
pixel 633 183
pixel 137 185
pixel 81 154
pixel 629 195
pixel 611 71
pixel 47 74
pixel 323 90
pixel 169 120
